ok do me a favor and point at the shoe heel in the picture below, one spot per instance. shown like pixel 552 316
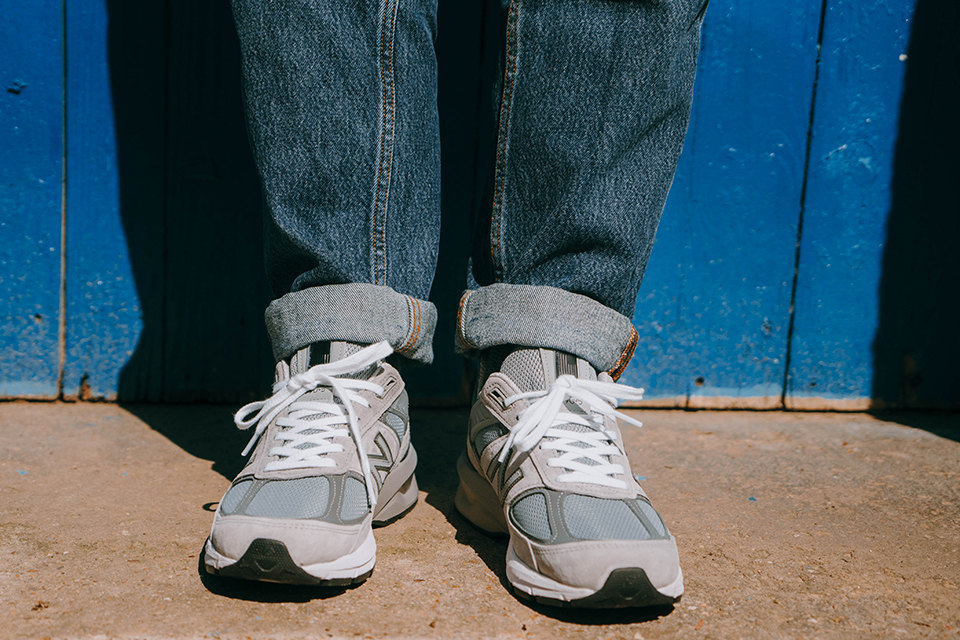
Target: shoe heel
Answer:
pixel 398 506
pixel 476 500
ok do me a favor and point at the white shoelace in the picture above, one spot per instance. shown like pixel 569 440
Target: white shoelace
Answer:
pixel 545 417
pixel 307 438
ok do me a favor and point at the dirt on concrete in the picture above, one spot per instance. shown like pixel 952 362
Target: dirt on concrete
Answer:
pixel 790 525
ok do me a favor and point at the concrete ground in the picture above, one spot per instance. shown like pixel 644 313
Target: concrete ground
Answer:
pixel 789 525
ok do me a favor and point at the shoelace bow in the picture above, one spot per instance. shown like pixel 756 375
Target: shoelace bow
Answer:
pixel 308 438
pixel 545 417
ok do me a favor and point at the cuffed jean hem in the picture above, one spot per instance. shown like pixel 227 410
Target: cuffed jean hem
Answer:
pixel 545 318
pixel 354 312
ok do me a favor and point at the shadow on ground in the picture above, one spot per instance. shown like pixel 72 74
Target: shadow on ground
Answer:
pixel 265 591
pixel 204 431
pixel 944 425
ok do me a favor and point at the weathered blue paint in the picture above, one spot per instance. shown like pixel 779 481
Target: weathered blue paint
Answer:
pixel 713 310
pixel 103 310
pixel 163 281
pixel 31 153
pixel 848 197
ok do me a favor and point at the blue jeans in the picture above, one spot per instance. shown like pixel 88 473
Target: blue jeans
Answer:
pixel 594 101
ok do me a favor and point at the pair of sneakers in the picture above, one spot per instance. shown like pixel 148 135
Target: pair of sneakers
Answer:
pixel 544 463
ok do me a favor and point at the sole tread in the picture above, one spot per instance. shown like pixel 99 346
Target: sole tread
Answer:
pixel 268 560
pixel 624 588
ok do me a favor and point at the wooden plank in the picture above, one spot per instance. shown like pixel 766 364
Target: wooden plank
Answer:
pixel 713 310
pixel 732 402
pixel 215 340
pixel 114 198
pixel 31 174
pixel 839 296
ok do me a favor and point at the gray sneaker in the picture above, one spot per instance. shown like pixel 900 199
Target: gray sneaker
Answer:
pixel 331 459
pixel 545 463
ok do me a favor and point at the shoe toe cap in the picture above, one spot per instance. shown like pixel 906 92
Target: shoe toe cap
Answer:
pixel 307 541
pixel 589 564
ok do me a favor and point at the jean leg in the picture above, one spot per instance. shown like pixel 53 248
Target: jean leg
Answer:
pixel 342 119
pixel 595 101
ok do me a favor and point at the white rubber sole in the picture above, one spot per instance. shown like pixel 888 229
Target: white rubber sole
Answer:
pixel 536 584
pixel 351 565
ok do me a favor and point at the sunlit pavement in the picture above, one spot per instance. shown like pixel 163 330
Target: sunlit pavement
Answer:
pixel 794 525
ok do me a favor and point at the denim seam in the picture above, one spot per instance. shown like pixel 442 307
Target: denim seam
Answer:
pixel 699 16
pixel 414 326
pixel 419 316
pixel 621 364
pixel 461 320
pixel 387 122
pixel 406 343
pixel 506 103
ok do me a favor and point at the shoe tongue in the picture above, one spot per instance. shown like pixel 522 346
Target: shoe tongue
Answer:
pixel 322 353
pixel 536 369
pixel 325 353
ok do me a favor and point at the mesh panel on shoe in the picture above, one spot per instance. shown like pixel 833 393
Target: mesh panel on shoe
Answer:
pixel 234 497
pixel 309 432
pixel 589 518
pixel 354 500
pixel 395 422
pixel 530 515
pixel 579 428
pixel 525 368
pixel 299 498
pixel 402 404
pixel 653 517
pixel 350 348
pixel 488 435
pixel 341 350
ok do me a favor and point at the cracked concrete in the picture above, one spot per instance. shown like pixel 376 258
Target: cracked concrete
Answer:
pixel 789 525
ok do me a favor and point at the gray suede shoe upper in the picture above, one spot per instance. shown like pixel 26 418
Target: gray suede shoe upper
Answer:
pixel 307 487
pixel 573 508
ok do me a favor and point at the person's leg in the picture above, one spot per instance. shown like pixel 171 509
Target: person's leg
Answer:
pixel 341 109
pixel 595 101
pixel 342 119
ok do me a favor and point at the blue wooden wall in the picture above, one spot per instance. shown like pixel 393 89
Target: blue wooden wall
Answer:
pixel 805 258
pixel 31 184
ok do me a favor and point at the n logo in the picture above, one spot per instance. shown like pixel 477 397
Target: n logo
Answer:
pixel 497 473
pixel 382 462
